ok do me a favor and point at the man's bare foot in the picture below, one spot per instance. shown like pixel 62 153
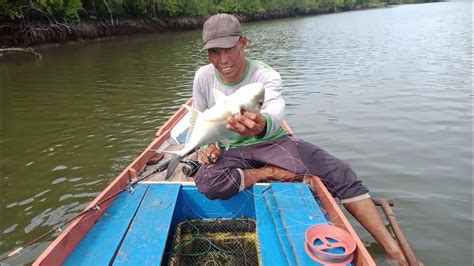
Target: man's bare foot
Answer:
pixel 397 258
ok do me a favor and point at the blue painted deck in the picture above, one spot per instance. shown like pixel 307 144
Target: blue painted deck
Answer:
pixel 135 228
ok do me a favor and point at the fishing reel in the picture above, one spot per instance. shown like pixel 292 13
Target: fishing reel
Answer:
pixel 190 167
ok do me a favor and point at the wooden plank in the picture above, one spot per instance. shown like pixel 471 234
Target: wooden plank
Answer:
pixel 145 241
pixel 100 243
pixel 298 210
pixel 274 247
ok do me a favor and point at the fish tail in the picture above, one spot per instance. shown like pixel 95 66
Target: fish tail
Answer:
pixel 172 165
pixel 174 161
pixel 175 153
pixel 172 150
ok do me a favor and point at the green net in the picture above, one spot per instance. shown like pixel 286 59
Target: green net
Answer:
pixel 219 241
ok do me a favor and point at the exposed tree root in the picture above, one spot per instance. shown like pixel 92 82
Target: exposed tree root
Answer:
pixel 50 31
pixel 20 50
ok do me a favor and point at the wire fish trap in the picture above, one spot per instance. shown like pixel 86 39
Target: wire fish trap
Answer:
pixel 219 241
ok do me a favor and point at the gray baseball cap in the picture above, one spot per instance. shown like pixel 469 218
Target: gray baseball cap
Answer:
pixel 221 31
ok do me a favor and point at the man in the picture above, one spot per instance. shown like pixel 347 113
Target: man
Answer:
pixel 263 149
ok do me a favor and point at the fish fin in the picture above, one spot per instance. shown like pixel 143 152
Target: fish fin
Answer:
pixel 226 143
pixel 175 153
pixel 172 165
pixel 219 96
pixel 192 120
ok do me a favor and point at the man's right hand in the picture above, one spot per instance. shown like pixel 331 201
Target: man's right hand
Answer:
pixel 247 123
pixel 210 154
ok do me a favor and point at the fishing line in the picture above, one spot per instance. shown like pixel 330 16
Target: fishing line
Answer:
pixel 201 248
pixel 129 187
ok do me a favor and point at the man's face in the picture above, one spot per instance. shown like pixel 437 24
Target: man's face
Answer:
pixel 229 62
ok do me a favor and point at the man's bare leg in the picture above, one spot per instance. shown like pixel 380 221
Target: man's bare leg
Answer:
pixel 270 172
pixel 366 213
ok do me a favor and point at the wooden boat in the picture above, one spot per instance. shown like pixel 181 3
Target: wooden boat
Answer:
pixel 141 226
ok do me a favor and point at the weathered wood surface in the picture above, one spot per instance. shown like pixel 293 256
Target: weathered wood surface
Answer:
pixel 177 175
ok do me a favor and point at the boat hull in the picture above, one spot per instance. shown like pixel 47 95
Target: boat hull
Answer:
pixel 60 250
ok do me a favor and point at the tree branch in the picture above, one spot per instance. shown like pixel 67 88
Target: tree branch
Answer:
pixel 20 50
pixel 110 12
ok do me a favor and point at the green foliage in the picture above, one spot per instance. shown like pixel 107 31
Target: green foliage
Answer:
pixel 199 8
pixel 16 9
pixel 227 6
pixel 11 9
pixel 250 6
pixel 71 7
pixel 172 7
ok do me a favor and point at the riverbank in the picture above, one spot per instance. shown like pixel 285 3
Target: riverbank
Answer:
pixel 42 34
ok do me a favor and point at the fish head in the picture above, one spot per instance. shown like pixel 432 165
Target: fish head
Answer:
pixel 251 97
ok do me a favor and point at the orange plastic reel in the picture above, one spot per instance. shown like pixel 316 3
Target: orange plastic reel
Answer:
pixel 329 245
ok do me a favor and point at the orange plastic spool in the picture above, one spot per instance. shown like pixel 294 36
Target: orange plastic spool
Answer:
pixel 329 245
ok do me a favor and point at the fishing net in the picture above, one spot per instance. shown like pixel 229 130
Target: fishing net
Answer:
pixel 219 241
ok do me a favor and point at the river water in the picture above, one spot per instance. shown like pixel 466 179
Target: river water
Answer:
pixel 388 90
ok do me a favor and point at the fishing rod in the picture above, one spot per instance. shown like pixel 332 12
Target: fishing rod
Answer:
pixel 129 187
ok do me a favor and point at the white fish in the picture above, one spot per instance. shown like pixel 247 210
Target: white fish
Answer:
pixel 210 126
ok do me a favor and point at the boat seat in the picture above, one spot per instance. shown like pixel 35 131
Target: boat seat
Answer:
pixel 284 211
pixel 133 230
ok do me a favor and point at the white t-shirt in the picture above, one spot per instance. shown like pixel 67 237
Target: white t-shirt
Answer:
pixel 207 78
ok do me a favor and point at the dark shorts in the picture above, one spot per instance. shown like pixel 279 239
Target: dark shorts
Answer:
pixel 222 179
